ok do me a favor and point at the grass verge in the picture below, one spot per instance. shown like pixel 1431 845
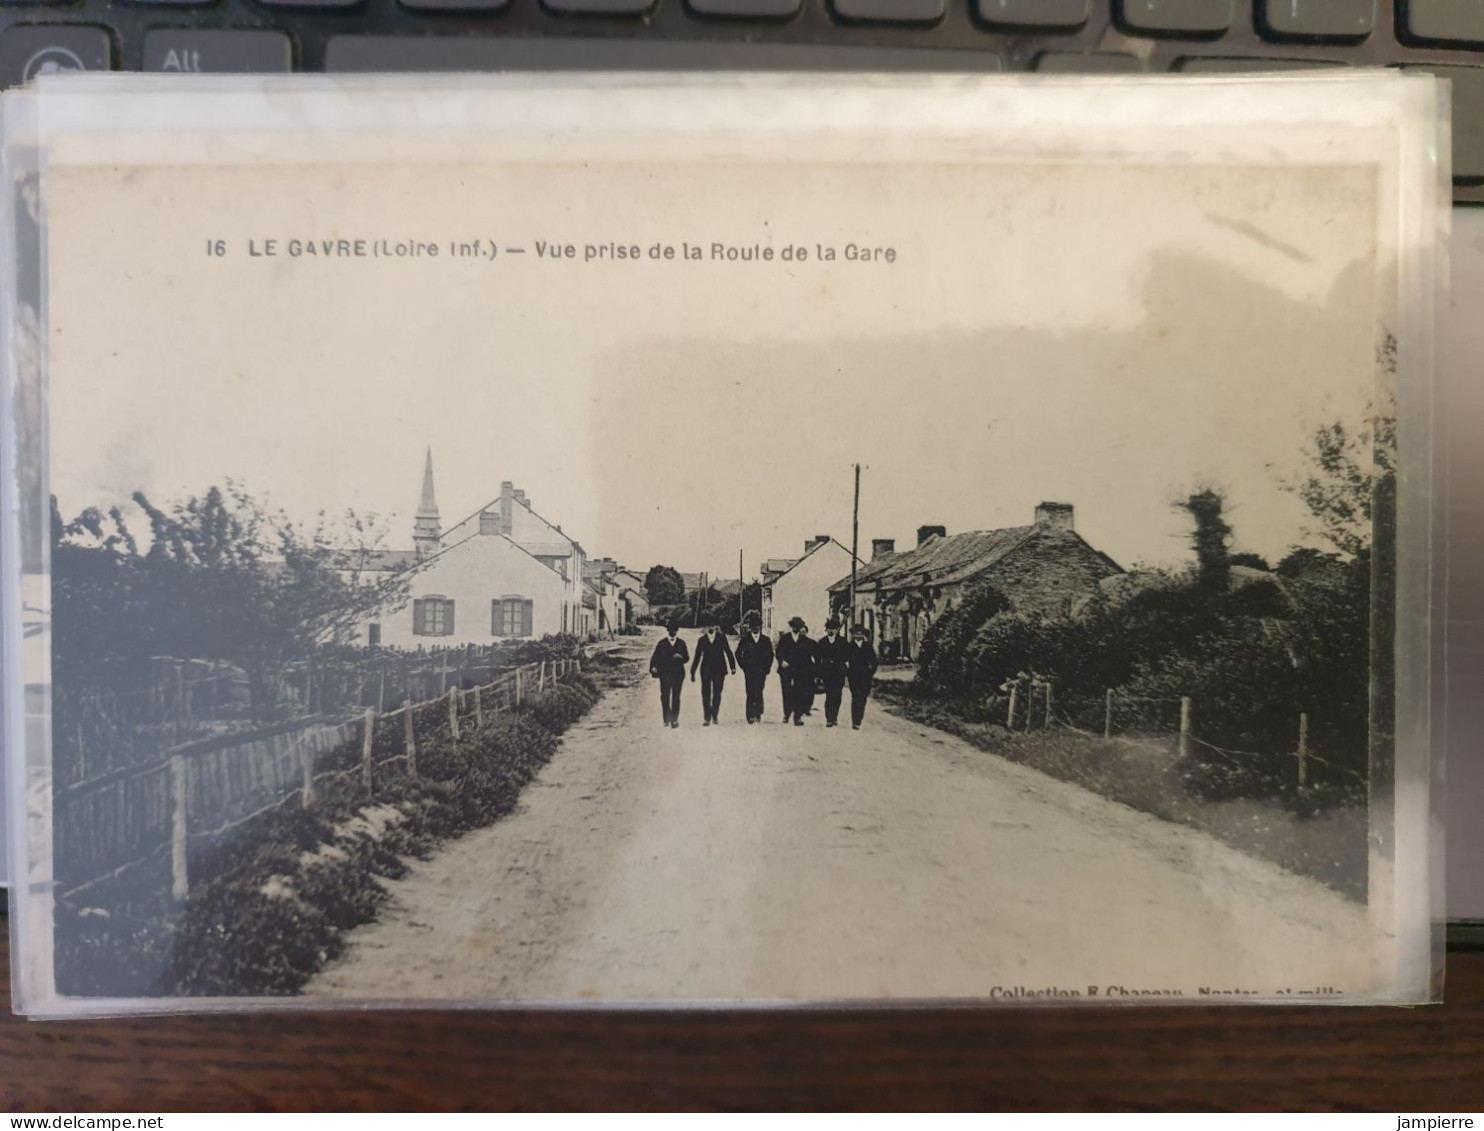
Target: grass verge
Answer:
pixel 271 902
pixel 1315 834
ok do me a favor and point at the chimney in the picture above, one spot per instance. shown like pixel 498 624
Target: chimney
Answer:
pixel 881 546
pixel 1055 516
pixel 507 507
pixel 926 532
pixel 817 540
pixel 489 522
pixel 520 497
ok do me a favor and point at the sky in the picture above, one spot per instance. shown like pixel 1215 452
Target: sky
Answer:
pixel 1109 337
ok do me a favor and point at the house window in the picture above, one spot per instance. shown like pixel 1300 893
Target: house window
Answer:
pixel 511 616
pixel 432 616
pixel 373 635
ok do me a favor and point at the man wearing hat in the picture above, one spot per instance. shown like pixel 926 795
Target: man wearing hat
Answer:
pixel 713 658
pixel 830 656
pixel 860 668
pixel 755 658
pixel 795 652
pixel 668 666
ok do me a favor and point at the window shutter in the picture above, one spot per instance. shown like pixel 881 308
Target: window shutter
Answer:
pixel 417 618
pixel 495 617
pixel 447 618
pixel 527 617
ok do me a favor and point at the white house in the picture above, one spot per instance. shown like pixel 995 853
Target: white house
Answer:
pixel 632 594
pixel 801 588
pixel 504 573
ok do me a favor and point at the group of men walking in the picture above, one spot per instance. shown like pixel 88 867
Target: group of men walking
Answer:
pixel 805 667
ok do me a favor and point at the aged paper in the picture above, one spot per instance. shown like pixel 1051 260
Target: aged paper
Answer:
pixel 388 493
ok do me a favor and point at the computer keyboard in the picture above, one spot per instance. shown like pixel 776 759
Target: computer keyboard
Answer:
pixel 1060 36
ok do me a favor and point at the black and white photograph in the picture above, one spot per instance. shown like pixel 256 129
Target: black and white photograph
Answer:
pixel 694 581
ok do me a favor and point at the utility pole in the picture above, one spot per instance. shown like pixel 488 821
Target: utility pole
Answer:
pixel 855 537
pixel 741 592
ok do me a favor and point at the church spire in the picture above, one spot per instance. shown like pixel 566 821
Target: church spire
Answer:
pixel 426 532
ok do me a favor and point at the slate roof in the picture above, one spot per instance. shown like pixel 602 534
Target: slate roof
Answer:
pixel 944 560
pixel 869 571
pixel 377 560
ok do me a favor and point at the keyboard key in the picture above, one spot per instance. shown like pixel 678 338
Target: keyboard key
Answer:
pixel 1217 64
pixel 600 7
pixel 1468 118
pixel 1177 17
pixel 455 5
pixel 892 11
pixel 313 5
pixel 1316 19
pixel 1088 63
pixel 419 53
pixel 746 9
pixel 29 50
pixel 1444 21
pixel 217 52
pixel 1033 13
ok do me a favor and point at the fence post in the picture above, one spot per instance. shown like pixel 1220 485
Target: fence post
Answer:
pixel 306 763
pixel 1010 714
pixel 179 883
pixel 1108 715
pixel 479 707
pixel 409 741
pixel 1303 749
pixel 367 737
pixel 577 665
pixel 1184 725
pixel 1046 722
pixel 520 685
pixel 453 712
pixel 541 676
pixel 180 706
pixel 381 689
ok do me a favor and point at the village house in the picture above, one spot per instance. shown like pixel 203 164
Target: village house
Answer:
pixel 800 587
pixel 504 573
pixel 1044 567
pixel 614 612
pixel 632 593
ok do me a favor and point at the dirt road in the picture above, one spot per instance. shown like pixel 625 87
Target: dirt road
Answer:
pixel 777 862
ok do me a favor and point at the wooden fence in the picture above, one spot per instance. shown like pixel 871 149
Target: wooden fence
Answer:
pixel 117 716
pixel 1032 705
pixel 128 817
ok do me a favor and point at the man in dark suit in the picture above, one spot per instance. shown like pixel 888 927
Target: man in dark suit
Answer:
pixel 713 658
pixel 755 658
pixel 830 655
pixel 860 669
pixel 795 652
pixel 668 666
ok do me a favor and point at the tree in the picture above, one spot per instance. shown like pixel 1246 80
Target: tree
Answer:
pixel 663 585
pixel 1350 490
pixel 1211 540
pixel 218 577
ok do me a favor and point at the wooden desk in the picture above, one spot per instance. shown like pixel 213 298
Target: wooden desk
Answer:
pixel 1414 1060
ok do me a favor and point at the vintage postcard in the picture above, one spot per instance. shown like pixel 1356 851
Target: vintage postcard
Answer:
pixel 628 573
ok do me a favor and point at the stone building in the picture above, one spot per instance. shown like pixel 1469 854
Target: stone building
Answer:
pixel 1045 566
